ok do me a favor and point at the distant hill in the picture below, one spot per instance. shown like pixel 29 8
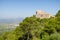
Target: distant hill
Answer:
pixel 11 20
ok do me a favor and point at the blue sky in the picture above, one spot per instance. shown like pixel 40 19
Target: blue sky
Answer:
pixel 24 8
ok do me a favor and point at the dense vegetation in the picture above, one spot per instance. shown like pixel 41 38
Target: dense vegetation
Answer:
pixel 32 28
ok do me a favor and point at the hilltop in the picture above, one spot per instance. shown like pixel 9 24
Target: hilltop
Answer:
pixel 32 28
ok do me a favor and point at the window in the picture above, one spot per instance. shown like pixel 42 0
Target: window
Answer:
pixel 41 15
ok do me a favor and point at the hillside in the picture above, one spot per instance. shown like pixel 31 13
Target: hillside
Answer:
pixel 32 28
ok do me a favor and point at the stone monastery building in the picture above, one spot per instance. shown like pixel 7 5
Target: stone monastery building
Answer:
pixel 42 14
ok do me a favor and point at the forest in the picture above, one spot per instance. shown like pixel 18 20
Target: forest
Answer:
pixel 32 28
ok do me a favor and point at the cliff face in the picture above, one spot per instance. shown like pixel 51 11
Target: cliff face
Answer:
pixel 42 14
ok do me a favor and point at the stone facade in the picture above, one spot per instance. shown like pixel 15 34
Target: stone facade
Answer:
pixel 42 14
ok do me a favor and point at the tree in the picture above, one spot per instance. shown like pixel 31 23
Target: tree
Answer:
pixel 58 14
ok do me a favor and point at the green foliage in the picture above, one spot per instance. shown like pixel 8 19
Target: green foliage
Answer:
pixel 58 14
pixel 32 28
pixel 55 36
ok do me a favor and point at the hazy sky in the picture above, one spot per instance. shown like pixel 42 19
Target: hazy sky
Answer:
pixel 24 8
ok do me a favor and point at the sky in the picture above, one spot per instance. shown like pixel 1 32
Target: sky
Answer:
pixel 26 8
